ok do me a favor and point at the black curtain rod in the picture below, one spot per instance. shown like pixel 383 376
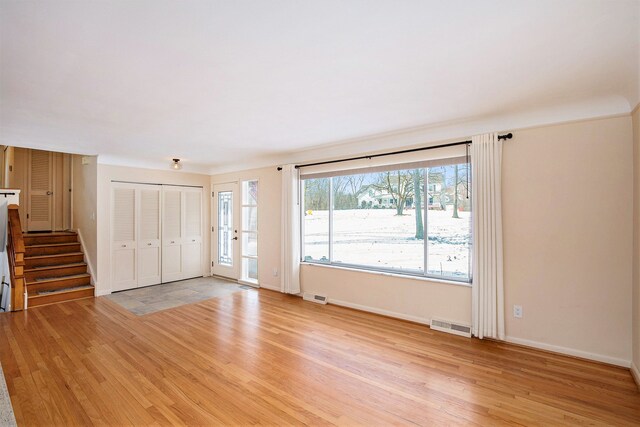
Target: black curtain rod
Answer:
pixel 392 153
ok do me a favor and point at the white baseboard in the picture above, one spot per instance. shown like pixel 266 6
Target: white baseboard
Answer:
pixel 402 316
pixel 100 292
pixel 528 343
pixel 270 287
pixel 87 259
pixel 571 352
pixel 635 373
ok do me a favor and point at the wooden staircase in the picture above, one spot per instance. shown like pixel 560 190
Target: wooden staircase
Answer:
pixel 54 268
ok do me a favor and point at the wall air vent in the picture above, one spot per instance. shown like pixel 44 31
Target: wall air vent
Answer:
pixel 451 328
pixel 318 299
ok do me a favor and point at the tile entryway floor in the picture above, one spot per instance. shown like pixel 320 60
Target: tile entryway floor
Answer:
pixel 150 299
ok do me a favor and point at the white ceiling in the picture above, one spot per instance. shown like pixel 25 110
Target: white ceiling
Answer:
pixel 225 84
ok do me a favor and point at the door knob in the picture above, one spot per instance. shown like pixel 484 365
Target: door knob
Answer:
pixel 49 193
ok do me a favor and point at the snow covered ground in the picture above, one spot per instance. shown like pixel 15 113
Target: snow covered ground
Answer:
pixel 380 238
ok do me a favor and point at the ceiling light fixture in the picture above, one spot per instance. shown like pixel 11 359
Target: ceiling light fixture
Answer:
pixel 176 165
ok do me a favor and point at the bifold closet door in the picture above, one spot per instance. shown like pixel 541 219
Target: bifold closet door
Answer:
pixel 123 237
pixel 192 242
pixel 172 231
pixel 181 233
pixel 149 248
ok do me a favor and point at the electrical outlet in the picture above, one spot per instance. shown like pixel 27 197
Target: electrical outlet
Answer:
pixel 275 272
pixel 517 311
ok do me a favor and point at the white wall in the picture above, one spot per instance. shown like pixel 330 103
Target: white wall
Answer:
pixel 108 173
pixel 85 206
pixel 269 219
pixel 567 226
pixel 636 244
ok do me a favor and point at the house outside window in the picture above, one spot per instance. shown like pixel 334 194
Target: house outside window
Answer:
pixel 383 220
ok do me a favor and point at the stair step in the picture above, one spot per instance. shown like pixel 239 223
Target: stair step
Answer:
pixel 61 295
pixel 55 271
pixel 55 259
pixel 58 283
pixel 52 249
pixel 49 238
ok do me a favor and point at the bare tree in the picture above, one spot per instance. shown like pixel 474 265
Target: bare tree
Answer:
pixel 460 186
pixel 316 194
pixel 398 184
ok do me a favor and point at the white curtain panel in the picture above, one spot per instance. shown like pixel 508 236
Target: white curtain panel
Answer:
pixel 290 264
pixel 488 288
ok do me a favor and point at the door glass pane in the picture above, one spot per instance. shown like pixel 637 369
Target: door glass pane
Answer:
pixel 250 268
pixel 249 244
pixel 250 218
pixel 225 228
pixel 250 192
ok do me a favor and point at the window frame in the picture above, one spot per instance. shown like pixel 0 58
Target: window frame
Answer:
pixel 402 272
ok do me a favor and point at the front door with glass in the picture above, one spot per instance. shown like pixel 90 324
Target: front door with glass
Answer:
pixel 225 231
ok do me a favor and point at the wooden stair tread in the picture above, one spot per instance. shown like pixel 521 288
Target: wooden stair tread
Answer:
pixel 52 255
pixel 55 279
pixel 53 267
pixel 60 291
pixel 50 233
pixel 53 245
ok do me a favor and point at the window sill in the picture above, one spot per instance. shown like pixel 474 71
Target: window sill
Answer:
pixel 386 273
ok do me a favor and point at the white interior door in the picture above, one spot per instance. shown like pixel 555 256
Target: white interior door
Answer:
pixel 123 237
pixel 225 220
pixel 172 233
pixel 40 173
pixel 149 248
pixel 192 242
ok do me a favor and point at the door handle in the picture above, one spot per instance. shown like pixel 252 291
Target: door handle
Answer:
pixel 49 193
pixel 235 238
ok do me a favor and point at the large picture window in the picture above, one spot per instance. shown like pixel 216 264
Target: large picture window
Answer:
pixel 411 221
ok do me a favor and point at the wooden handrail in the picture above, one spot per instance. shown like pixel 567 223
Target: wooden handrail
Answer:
pixel 15 253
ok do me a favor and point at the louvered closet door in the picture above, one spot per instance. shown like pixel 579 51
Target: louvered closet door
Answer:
pixel 149 248
pixel 172 232
pixel 40 174
pixel 192 242
pixel 123 237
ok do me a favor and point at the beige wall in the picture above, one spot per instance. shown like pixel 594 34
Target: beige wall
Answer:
pixel 567 210
pixel 269 220
pixel 18 163
pixel 106 174
pixel 85 207
pixel 567 226
pixel 636 242
pixel 412 299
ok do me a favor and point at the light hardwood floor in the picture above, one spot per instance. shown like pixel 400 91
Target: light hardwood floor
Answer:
pixel 259 357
